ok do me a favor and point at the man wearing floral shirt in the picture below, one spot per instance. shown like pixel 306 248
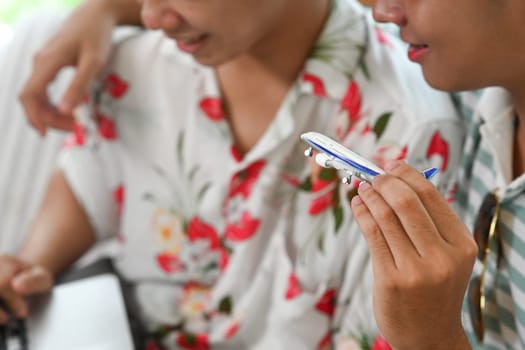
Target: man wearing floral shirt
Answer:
pixel 190 154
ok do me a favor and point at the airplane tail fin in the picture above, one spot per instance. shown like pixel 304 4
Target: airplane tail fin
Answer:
pixel 429 173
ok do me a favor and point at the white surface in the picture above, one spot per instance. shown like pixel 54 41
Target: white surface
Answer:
pixel 84 314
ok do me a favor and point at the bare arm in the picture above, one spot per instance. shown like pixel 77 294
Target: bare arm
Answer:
pixel 61 231
pixel 60 234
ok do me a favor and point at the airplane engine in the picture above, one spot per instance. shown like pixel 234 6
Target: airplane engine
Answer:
pixel 323 160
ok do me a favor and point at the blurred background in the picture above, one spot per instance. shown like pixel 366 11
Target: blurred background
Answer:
pixel 10 10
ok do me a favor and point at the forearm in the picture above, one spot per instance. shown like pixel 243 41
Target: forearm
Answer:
pixel 125 12
pixel 61 231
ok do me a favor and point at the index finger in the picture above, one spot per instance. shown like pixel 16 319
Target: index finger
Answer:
pixel 87 69
pixel 439 209
pixel 34 97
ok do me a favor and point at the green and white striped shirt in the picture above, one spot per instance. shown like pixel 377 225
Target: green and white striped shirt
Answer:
pixel 486 166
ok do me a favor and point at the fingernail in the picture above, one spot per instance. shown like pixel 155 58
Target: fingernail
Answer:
pixel 357 200
pixel 65 107
pixel 363 186
pixel 392 164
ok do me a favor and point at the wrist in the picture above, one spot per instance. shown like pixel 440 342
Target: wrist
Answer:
pixel 458 341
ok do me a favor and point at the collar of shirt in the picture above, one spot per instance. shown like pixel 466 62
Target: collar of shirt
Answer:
pixel 338 52
pixel 496 111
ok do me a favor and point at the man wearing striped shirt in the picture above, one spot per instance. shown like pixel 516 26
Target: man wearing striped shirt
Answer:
pixel 426 294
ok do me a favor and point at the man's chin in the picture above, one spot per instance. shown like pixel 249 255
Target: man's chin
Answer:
pixel 448 81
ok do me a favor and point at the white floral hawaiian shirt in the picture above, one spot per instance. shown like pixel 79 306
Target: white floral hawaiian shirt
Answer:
pixel 260 251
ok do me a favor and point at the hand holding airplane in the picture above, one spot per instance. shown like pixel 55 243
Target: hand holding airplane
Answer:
pixel 334 155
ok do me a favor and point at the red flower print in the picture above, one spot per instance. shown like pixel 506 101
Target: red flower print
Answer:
pixel 293 181
pixel 169 263
pixel 69 141
pixel 380 344
pixel 243 181
pixel 383 38
pixel 153 345
pixel 317 84
pixel 438 146
pixel 242 230
pixel 212 107
pixel 77 137
pixel 321 183
pixel 118 196
pixel 326 304
pixel 236 154
pixel 403 153
pixel 451 194
pixel 106 127
pixel 326 342
pixel 294 288
pixel 321 179
pixel 115 86
pixel 80 133
pixel 367 129
pixel 232 330
pixel 199 230
pixel 352 102
pixel 224 259
pixel 321 203
pixel 191 341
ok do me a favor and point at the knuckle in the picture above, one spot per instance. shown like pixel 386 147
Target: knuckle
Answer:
pixel 470 249
pixel 442 273
pixel 412 281
pixel 389 283
pixel 427 192
pixel 403 202
pixel 386 214
pixel 381 181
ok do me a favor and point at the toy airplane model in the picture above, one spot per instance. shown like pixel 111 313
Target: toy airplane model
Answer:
pixel 334 155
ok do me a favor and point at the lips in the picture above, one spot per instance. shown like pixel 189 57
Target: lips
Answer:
pixel 417 51
pixel 188 40
pixel 418 46
pixel 188 44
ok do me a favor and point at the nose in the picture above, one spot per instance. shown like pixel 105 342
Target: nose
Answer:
pixel 157 14
pixel 389 11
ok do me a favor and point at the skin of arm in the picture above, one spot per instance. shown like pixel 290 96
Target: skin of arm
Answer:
pixel 61 231
pixel 126 12
pixel 59 235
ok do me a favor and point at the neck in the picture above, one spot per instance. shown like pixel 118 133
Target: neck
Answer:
pixel 282 52
pixel 254 85
pixel 519 135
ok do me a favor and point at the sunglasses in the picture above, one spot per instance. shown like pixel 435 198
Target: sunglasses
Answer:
pixel 484 235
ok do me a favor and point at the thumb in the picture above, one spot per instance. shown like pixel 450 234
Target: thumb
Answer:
pixel 36 279
pixel 87 68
